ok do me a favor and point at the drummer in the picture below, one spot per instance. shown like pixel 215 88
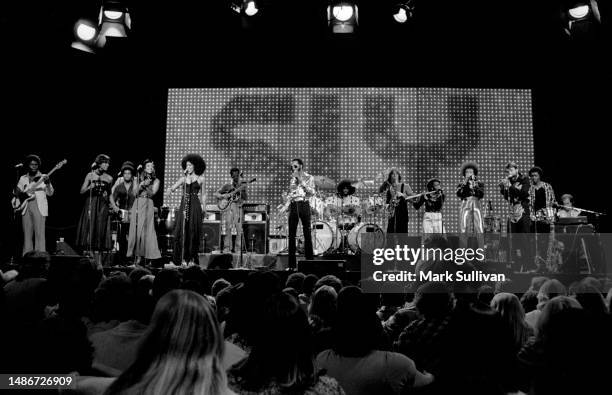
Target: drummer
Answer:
pixel 345 204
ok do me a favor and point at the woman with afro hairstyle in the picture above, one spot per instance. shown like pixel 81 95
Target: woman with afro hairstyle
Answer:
pixel 188 228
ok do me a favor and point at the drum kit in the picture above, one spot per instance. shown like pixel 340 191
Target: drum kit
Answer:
pixel 338 223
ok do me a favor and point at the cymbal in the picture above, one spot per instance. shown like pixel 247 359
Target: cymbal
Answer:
pixel 324 182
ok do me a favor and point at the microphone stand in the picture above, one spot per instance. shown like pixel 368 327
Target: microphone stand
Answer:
pixel 135 219
pixel 186 202
pixel 14 217
pixel 90 215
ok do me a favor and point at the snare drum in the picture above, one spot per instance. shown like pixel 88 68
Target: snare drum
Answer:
pixel 375 238
pixel 347 221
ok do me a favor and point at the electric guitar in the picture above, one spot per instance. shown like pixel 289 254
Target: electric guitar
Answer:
pixel 21 198
pixel 224 203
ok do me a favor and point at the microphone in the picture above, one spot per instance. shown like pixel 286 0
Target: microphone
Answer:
pixel 18 165
pixel 119 174
pixel 139 168
pixel 94 165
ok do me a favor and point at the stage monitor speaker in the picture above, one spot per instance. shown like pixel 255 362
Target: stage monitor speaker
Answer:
pixel 211 236
pixel 321 266
pixel 255 237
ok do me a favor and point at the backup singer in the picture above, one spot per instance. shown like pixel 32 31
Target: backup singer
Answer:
pixel 541 200
pixel 122 198
pixel 541 208
pixel 470 191
pixel 190 214
pixel 432 218
pixel 35 215
pixel 396 192
pixel 142 240
pixel 93 230
pixel 301 187
pixel 567 210
pixel 515 189
pixel 232 219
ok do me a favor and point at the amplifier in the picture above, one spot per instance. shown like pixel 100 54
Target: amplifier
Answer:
pixel 255 237
pixel 212 207
pixel 212 216
pixel 211 236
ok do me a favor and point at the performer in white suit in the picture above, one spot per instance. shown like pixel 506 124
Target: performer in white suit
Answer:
pixel 37 210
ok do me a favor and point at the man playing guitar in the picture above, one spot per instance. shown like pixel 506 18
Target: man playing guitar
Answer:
pixel 232 217
pixel 35 211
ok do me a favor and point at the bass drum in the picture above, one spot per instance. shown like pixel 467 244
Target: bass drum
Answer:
pixel 375 238
pixel 324 238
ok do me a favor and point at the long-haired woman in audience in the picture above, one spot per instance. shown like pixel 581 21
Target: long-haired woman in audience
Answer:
pixel 321 315
pixel 180 353
pixel 511 311
pixel 357 361
pixel 281 358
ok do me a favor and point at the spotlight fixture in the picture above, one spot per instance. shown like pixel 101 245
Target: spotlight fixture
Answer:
pixel 85 32
pixel 245 7
pixel 342 16
pixel 582 18
pixel 114 21
pixel 403 11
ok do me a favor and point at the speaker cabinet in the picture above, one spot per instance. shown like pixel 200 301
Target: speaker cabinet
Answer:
pixel 255 237
pixel 211 236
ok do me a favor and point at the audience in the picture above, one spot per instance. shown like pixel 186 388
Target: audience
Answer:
pixel 303 335
pixel 548 290
pixel 281 357
pixel 511 311
pixel 180 353
pixel 357 361
pixel 330 280
pixel 321 316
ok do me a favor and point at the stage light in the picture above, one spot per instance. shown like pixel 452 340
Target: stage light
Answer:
pixel 342 16
pixel 114 20
pixel 579 12
pixel 245 7
pixel 403 11
pixel 581 19
pixel 342 12
pixel 251 8
pixel 85 32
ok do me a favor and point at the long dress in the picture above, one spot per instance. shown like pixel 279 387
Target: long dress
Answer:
pixel 193 225
pixel 398 223
pixel 142 239
pixel 100 219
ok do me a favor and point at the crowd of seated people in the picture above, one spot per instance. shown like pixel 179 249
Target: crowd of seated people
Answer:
pixel 173 332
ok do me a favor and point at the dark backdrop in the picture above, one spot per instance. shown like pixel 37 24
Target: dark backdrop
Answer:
pixel 62 104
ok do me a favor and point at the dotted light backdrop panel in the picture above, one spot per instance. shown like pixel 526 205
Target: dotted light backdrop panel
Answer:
pixel 350 133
